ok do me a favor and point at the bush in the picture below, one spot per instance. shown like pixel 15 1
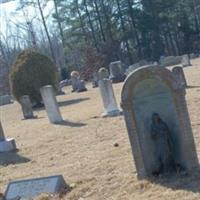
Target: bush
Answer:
pixel 29 73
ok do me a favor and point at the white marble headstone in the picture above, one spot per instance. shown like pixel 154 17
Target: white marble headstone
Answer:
pixel 31 188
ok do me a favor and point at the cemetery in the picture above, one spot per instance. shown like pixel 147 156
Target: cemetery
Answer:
pixel 99 100
pixel 81 145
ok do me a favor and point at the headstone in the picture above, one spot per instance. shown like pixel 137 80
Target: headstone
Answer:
pixel 5 99
pixel 31 188
pixel 180 76
pixel 26 107
pixel 74 80
pixel 81 86
pixel 6 144
pixel 95 80
pixel 153 95
pixel 185 61
pixel 108 98
pixel 170 60
pixel 116 72
pixel 51 105
pixel 103 73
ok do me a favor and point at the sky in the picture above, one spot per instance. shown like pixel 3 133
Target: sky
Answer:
pixel 8 11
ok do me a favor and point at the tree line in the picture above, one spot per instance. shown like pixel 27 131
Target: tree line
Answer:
pixel 88 34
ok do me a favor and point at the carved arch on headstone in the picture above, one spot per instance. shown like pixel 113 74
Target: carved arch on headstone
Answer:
pixel 176 95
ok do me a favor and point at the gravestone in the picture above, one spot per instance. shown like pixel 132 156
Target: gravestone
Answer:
pixel 31 188
pixel 185 61
pixel 74 80
pixel 5 99
pixel 116 72
pixel 95 80
pixel 81 86
pixel 26 107
pixel 170 60
pixel 151 90
pixel 108 97
pixel 103 73
pixel 180 76
pixel 51 105
pixel 6 144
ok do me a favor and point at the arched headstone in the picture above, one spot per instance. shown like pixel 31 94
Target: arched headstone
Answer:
pixel 151 90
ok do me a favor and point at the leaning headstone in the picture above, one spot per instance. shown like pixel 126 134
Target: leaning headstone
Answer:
pixel 103 73
pixel 74 80
pixel 51 105
pixel 31 188
pixel 26 107
pixel 185 61
pixel 180 76
pixel 108 98
pixel 5 99
pixel 156 116
pixel 6 144
pixel 116 72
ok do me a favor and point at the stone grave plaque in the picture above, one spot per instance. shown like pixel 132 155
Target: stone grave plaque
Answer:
pixel 31 188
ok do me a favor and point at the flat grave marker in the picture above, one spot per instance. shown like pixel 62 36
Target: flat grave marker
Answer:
pixel 31 188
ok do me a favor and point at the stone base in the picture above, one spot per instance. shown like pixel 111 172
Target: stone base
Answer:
pixel 112 113
pixel 7 145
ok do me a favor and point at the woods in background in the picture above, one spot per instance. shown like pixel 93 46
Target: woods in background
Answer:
pixel 89 34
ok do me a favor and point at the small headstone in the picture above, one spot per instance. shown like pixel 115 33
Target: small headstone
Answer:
pixel 185 61
pixel 95 80
pixel 5 99
pixel 180 76
pixel 74 80
pixel 51 105
pixel 103 73
pixel 170 60
pixel 26 107
pixel 31 188
pixel 116 72
pixel 81 86
pixel 6 144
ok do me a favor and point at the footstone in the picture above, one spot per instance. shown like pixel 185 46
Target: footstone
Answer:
pixel 26 107
pixel 108 98
pixel 51 104
pixel 6 144
pixel 31 188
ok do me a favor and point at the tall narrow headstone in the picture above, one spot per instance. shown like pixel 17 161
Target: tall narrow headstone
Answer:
pixel 51 105
pixel 6 144
pixel 186 61
pixel 180 76
pixel 26 107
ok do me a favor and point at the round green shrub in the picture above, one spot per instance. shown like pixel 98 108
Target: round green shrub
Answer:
pixel 29 73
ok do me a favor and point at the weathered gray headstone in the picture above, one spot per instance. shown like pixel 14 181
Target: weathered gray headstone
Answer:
pixel 185 61
pixel 51 105
pixel 108 98
pixel 26 107
pixel 170 60
pixel 180 76
pixel 95 80
pixel 116 72
pixel 31 188
pixel 150 90
pixel 6 144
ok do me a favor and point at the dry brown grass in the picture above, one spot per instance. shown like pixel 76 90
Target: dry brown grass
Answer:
pixel 83 150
